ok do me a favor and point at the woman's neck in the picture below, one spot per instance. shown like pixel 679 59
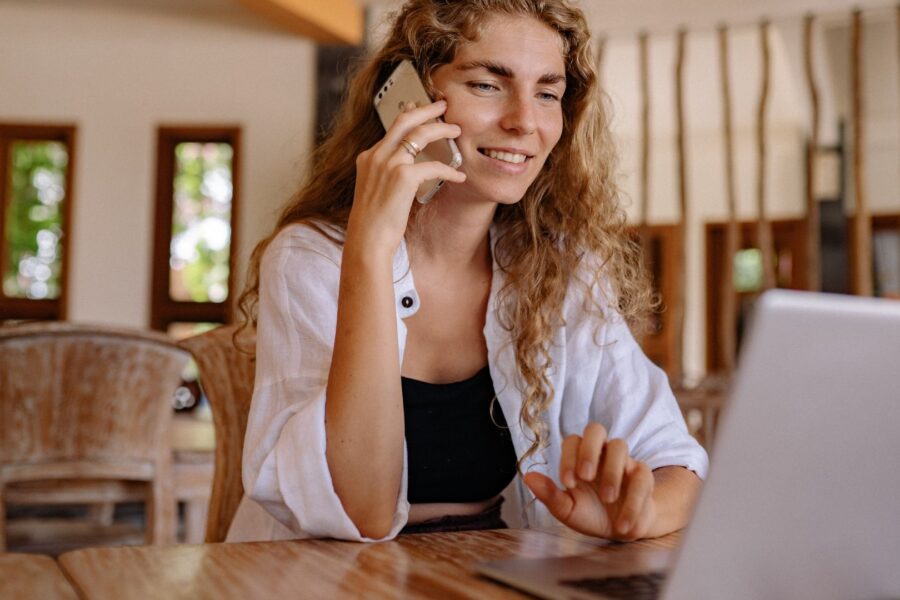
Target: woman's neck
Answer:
pixel 453 234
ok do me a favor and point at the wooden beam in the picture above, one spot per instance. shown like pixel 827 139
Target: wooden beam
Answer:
pixel 861 252
pixel 678 304
pixel 813 241
pixel 324 21
pixel 764 228
pixel 728 313
pixel 644 62
pixel 643 228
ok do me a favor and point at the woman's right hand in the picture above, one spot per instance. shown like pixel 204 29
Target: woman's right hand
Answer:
pixel 387 178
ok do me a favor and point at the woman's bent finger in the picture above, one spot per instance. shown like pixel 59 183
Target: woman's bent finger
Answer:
pixel 409 120
pixel 432 132
pixel 590 450
pixel 422 172
pixel 568 460
pixel 638 487
pixel 615 458
pixel 558 502
pixel 418 139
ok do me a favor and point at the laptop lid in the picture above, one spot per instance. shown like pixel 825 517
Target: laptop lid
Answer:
pixel 803 497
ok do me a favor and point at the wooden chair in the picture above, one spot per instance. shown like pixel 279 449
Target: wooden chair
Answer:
pixel 707 400
pixel 84 417
pixel 226 377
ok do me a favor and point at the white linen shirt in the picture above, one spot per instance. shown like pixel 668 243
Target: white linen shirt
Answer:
pixel 599 373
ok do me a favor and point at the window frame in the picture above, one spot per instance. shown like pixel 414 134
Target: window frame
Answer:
pixel 32 308
pixel 660 345
pixel 163 309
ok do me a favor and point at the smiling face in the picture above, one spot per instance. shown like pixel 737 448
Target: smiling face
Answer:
pixel 504 90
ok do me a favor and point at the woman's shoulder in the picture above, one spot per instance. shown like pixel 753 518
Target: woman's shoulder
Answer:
pixel 316 247
pixel 305 240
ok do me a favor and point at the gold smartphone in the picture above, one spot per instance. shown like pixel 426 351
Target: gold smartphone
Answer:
pixel 404 86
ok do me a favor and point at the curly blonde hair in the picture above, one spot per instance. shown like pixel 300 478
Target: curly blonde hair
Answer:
pixel 571 210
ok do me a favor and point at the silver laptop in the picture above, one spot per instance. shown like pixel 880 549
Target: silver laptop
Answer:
pixel 803 497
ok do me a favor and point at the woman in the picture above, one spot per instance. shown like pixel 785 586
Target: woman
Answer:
pixel 412 360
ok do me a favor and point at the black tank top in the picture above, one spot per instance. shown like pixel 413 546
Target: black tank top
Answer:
pixel 455 451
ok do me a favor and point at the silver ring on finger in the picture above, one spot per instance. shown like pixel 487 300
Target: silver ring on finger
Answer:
pixel 413 148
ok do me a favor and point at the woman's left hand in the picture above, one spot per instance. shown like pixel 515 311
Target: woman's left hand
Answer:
pixel 607 493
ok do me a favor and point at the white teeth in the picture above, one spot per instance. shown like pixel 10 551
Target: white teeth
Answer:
pixel 506 156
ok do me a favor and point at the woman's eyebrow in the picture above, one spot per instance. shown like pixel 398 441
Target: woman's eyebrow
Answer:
pixel 505 72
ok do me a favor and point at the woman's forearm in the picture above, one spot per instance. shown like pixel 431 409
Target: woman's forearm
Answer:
pixel 674 493
pixel 364 405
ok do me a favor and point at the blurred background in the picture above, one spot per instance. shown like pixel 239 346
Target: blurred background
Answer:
pixel 198 115
pixel 147 145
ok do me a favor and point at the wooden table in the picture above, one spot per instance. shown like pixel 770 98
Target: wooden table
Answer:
pixel 32 576
pixel 434 565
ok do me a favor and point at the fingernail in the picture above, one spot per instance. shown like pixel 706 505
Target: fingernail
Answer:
pixel 570 479
pixel 624 526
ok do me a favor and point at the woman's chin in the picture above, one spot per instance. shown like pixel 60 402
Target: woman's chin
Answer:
pixel 477 191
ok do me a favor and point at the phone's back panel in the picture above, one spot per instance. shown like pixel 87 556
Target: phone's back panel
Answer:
pixel 404 86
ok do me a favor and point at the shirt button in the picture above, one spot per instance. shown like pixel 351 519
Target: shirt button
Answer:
pixel 406 302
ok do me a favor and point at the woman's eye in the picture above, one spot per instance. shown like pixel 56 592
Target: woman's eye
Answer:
pixel 482 87
pixel 548 96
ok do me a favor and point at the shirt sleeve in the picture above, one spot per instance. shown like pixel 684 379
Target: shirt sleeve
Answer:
pixel 629 395
pixel 284 467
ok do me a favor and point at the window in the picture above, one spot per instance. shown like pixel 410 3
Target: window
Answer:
pixel 789 237
pixel 36 165
pixel 196 213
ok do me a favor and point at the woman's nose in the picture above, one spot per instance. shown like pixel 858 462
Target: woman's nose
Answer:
pixel 519 116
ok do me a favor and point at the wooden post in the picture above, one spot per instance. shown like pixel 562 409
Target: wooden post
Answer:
pixel 645 133
pixel 644 217
pixel 862 223
pixel 678 304
pixel 813 243
pixel 728 311
pixel 763 227
pixel 601 55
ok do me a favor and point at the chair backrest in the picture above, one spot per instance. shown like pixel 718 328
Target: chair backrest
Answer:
pixel 79 401
pixel 226 376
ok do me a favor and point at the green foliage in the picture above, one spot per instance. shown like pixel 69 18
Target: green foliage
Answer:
pixel 34 219
pixel 201 234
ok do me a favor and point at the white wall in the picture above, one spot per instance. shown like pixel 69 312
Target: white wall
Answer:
pixel 118 74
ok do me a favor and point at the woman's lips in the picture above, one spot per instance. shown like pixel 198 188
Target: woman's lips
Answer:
pixel 509 161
